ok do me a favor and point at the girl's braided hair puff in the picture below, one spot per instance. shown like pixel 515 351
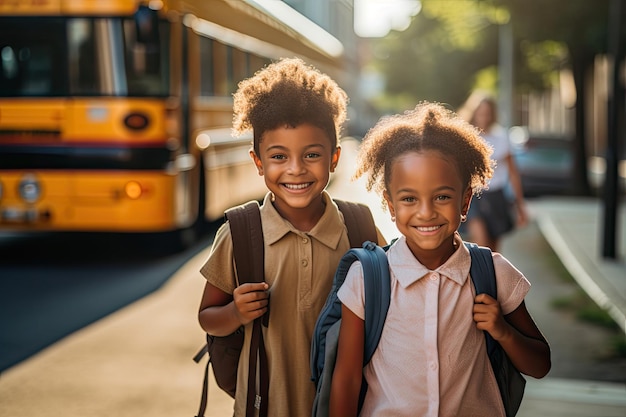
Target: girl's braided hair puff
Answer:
pixel 289 93
pixel 428 127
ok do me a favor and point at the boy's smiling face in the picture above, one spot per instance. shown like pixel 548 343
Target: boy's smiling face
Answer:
pixel 296 163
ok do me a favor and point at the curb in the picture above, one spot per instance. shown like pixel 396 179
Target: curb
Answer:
pixel 575 267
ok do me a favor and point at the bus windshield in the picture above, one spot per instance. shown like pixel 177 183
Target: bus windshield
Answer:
pixel 62 57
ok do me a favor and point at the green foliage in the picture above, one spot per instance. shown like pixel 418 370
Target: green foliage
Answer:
pixel 619 346
pixel 585 309
pixel 464 21
pixel 437 57
pixel 487 79
pixel 577 23
pixel 451 47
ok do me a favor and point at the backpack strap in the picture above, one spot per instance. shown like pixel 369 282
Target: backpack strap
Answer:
pixel 377 287
pixel 510 381
pixel 205 381
pixel 359 222
pixel 483 276
pixel 248 251
pixel 377 284
pixel 247 235
pixel 377 294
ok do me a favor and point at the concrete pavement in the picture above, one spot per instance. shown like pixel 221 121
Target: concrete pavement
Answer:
pixel 574 227
pixel 137 361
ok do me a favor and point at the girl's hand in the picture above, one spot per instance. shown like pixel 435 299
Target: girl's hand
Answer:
pixel 250 300
pixel 522 214
pixel 488 316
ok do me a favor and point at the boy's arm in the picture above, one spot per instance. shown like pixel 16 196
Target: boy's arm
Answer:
pixel 348 372
pixel 517 333
pixel 221 314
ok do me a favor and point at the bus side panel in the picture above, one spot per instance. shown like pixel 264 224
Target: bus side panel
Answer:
pixel 130 121
pixel 138 201
pixel 232 178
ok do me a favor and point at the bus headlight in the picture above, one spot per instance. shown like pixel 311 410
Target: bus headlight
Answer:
pixel 29 189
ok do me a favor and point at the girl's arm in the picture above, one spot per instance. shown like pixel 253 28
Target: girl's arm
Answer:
pixel 348 373
pixel 517 333
pixel 221 314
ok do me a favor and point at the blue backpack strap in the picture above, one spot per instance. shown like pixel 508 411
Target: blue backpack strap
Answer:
pixel 377 294
pixel 377 284
pixel 483 276
pixel 510 381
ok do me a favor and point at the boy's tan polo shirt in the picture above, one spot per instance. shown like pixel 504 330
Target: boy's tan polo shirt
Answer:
pixel 299 268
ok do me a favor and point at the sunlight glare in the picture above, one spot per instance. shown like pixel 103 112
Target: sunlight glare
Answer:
pixel 375 18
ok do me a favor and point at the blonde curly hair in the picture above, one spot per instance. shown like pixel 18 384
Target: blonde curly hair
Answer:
pixel 428 127
pixel 289 93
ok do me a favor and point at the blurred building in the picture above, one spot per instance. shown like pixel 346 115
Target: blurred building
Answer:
pixel 337 18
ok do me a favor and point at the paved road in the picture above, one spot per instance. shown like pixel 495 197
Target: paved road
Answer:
pixel 51 285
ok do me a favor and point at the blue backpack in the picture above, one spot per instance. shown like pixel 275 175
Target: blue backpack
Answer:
pixel 326 334
pixel 377 297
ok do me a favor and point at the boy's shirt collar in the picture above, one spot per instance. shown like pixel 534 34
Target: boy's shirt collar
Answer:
pixel 407 269
pixel 327 231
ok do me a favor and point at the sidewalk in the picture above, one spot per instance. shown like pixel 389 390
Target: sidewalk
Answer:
pixel 137 361
pixel 574 229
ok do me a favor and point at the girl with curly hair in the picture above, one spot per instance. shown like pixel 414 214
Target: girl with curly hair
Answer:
pixel 431 359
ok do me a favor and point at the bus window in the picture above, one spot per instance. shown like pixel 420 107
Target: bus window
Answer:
pixel 84 69
pixel 57 57
pixel 257 62
pixel 32 57
pixel 220 68
pixel 144 65
pixel 241 67
pixel 147 25
pixel 207 84
pixel 230 83
pixel 147 68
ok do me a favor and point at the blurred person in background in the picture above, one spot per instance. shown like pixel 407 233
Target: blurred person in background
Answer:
pixel 499 208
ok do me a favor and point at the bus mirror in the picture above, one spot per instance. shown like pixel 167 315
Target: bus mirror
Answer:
pixel 185 162
pixel 147 25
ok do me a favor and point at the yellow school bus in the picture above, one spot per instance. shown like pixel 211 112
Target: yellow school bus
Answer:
pixel 115 115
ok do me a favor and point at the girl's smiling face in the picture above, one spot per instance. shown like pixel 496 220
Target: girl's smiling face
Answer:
pixel 296 163
pixel 427 197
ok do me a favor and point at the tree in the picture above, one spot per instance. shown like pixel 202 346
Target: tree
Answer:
pixel 452 44
pixel 438 56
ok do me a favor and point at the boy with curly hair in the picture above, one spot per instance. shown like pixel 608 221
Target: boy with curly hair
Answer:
pixel 296 114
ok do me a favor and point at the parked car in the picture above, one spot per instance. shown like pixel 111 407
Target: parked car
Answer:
pixel 546 163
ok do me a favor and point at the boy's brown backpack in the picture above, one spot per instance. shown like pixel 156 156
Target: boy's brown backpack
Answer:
pixel 248 251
